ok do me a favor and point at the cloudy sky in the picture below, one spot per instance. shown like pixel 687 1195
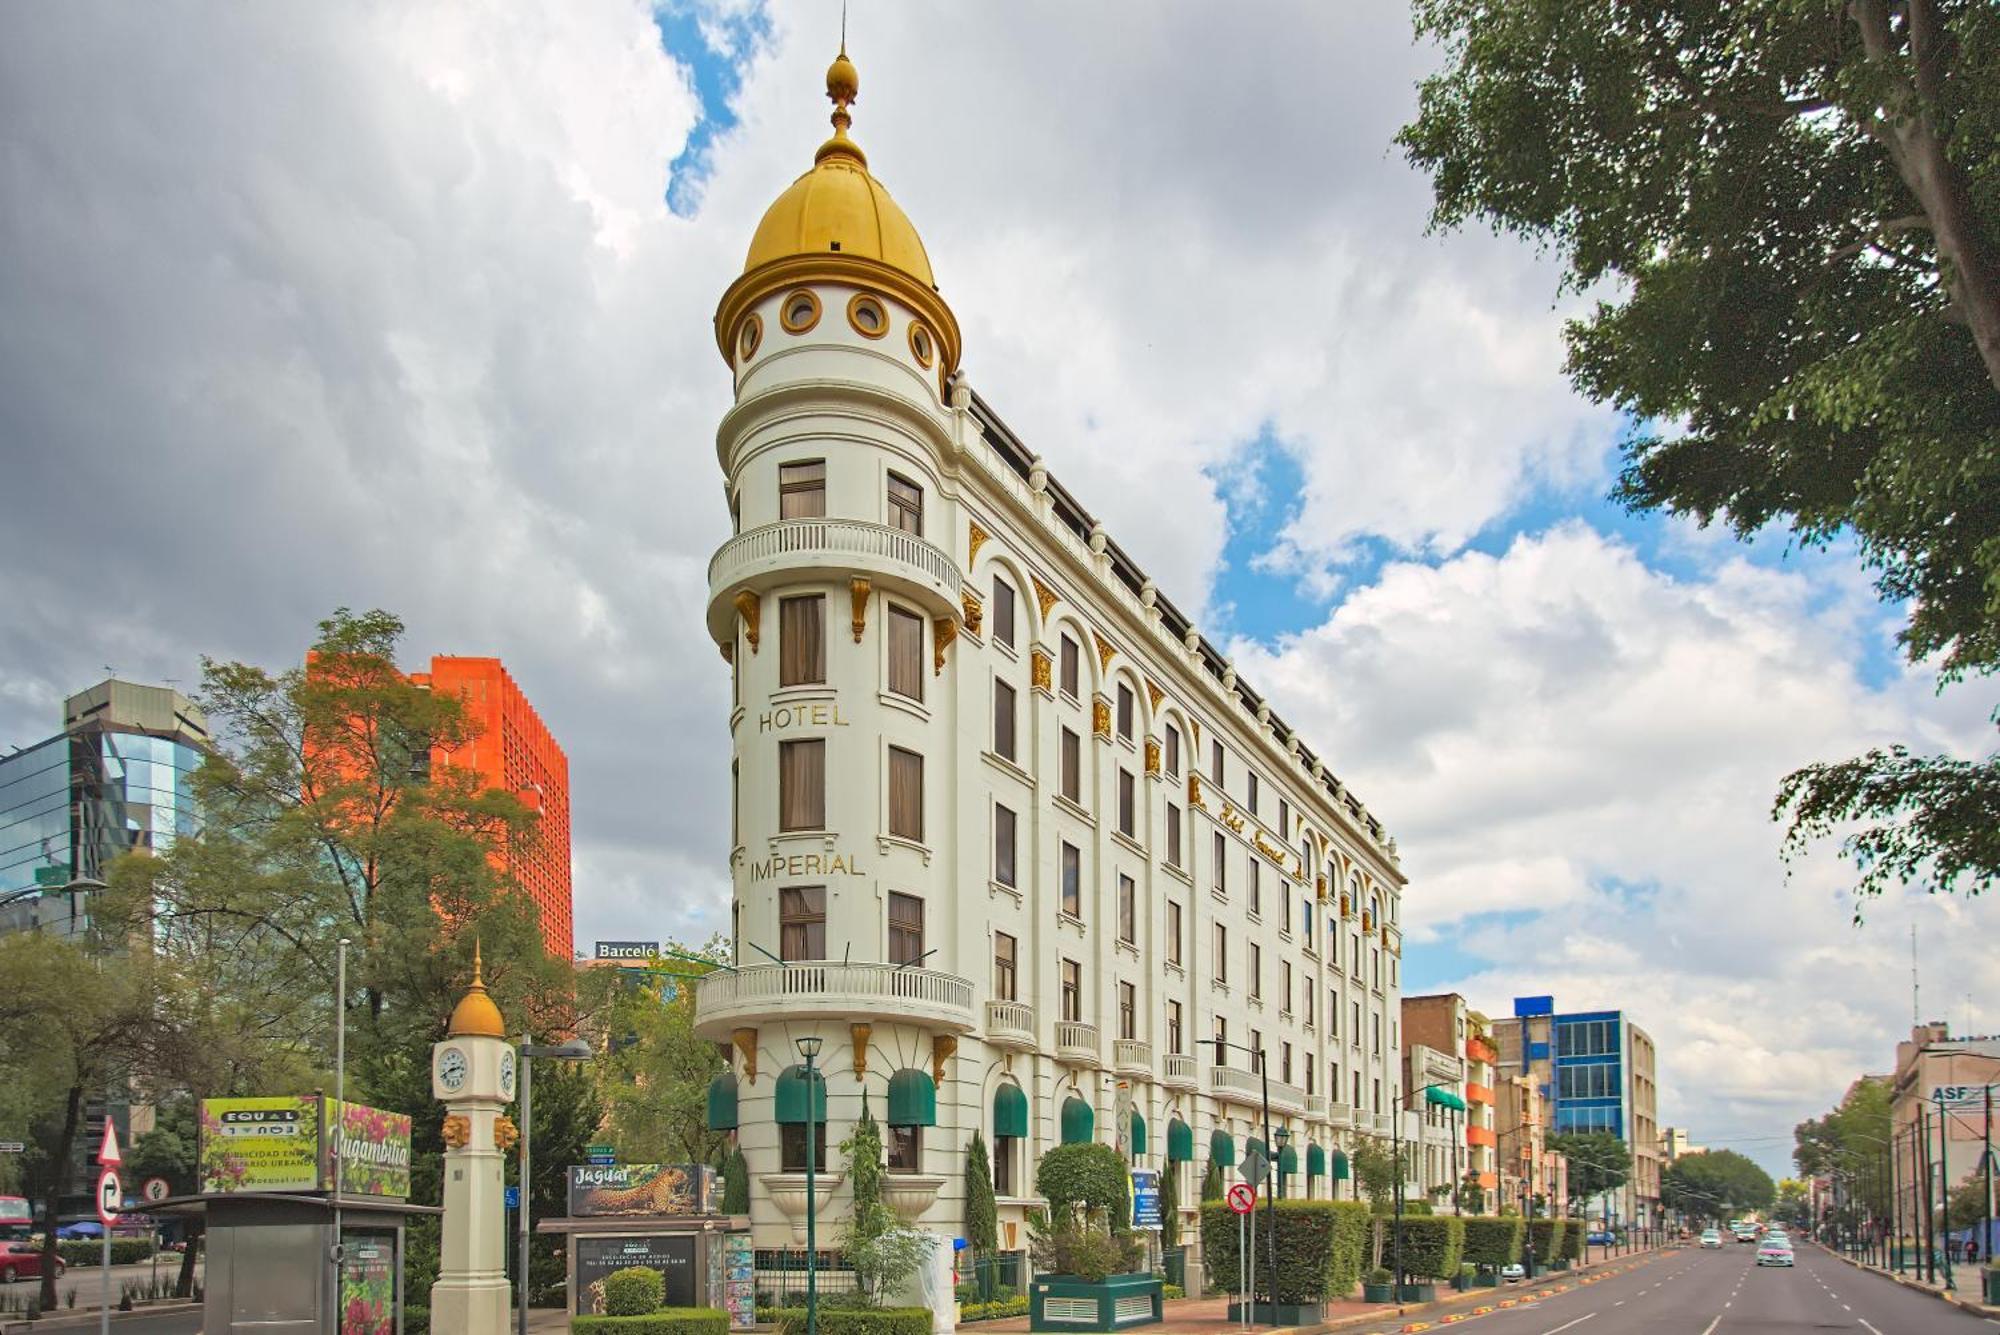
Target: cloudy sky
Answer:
pixel 304 306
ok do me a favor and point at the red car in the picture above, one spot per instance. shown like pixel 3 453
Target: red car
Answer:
pixel 23 1260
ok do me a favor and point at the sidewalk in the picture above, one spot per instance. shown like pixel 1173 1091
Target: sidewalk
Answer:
pixel 1965 1290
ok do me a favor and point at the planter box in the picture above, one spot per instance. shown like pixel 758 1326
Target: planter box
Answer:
pixel 1284 1314
pixel 1420 1293
pixel 1060 1302
pixel 1378 1293
pixel 1992 1285
pixel 1486 1279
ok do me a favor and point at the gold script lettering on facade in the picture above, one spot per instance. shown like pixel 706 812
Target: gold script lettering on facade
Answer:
pixel 817 714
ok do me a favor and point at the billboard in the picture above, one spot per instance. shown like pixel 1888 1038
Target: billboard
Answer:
pixel 638 1189
pixel 261 1144
pixel 1145 1199
pixel 370 1150
pixel 672 1254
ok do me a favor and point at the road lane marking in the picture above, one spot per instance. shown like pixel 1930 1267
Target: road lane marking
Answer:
pixel 1580 1320
pixel 1718 1321
pixel 1864 1321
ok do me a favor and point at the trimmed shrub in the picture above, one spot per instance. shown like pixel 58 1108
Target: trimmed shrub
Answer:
pixel 735 1184
pixel 1414 1208
pixel 1320 1246
pixel 666 1321
pixel 416 1320
pixel 993 1311
pixel 1547 1235
pixel 1431 1245
pixel 1492 1241
pixel 90 1251
pixel 864 1321
pixel 634 1291
pixel 1573 1242
pixel 1085 1177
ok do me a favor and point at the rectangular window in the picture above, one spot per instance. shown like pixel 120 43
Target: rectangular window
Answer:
pixel 1174 1027
pixel 1378 1033
pixel 1333 1014
pixel 1003 845
pixel 1355 1033
pixel 1221 953
pixel 1284 819
pixel 1251 793
pixel 1253 883
pixel 1173 835
pixel 1172 760
pixel 1306 995
pixel 1219 849
pixel 1284 985
pixel 1006 952
pixel 801 643
pixel 1221 1041
pixel 1257 1050
pixel 1311 1072
pixel 1378 1094
pixel 1003 611
pixel 1072 880
pixel 1070 671
pixel 1003 720
pixel 1128 803
pixel 1215 769
pixel 1072 766
pixel 906 654
pixel 1285 1062
pixel 1255 972
pixel 1003 1165
pixel 1173 932
pixel 906 794
pixel 1125 711
pixel 1128 910
pixel 905 1147
pixel 802 785
pixel 1333 1081
pixel 906 928
pixel 906 505
pixel 802 922
pixel 802 489
pixel 1128 1011
pixel 792 1146
pixel 1358 1104
pixel 1072 990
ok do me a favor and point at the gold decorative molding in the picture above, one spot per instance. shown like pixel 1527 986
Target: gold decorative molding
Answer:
pixel 943 631
pixel 1367 922
pixel 1044 595
pixel 975 614
pixel 747 607
pixel 1154 693
pixel 943 1048
pixel 746 1047
pixel 1194 790
pixel 1346 906
pixel 1194 726
pixel 457 1131
pixel 975 538
pixel 858 590
pixel 1319 888
pixel 858 1035
pixel 1100 716
pixel 1152 755
pixel 1106 651
pixel 1041 671
pixel 505 1134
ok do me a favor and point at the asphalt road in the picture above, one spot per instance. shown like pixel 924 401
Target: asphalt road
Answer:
pixel 1695 1292
pixel 88 1281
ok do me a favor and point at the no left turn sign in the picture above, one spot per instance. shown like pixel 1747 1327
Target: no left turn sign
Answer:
pixel 1243 1198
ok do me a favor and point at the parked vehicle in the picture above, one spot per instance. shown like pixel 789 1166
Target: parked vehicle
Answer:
pixel 1601 1238
pixel 1513 1273
pixel 23 1260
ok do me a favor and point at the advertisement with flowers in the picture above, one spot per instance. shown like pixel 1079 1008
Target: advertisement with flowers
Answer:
pixel 369 1150
pixel 367 1284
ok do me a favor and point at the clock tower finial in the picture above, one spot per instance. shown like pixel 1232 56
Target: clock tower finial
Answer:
pixel 476 1015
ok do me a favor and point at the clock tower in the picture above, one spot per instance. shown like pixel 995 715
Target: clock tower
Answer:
pixel 473 1074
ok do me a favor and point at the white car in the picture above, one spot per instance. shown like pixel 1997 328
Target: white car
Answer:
pixel 1774 1253
pixel 1712 1237
pixel 1514 1273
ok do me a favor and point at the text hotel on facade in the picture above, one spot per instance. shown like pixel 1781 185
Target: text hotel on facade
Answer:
pixel 1009 835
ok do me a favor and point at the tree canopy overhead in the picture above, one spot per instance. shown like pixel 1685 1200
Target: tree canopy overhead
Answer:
pixel 1709 1184
pixel 1791 209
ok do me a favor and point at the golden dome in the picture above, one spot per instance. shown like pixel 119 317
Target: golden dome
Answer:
pixel 476 1016
pixel 836 223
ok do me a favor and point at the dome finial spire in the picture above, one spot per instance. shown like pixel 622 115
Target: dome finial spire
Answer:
pixel 843 86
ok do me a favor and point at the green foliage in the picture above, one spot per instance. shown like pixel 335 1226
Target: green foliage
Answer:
pixel 1849 1140
pixel 90 1251
pixel 996 1310
pixel 863 1150
pixel 1430 1246
pixel 982 1211
pixel 1493 1241
pixel 1211 1182
pixel 655 1072
pixel 1573 1239
pixel 1546 1236
pixel 882 1252
pixel 1170 1205
pixel 665 1321
pixel 1375 1166
pixel 858 1321
pixel 168 1150
pixel 634 1291
pixel 1081 1250
pixel 1091 1178
pixel 1320 1248
pixel 736 1183
pixel 1714 1183
pixel 1598 1162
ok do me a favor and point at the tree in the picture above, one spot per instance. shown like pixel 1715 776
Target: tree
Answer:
pixel 1793 1202
pixel 1170 1204
pixel 1714 1183
pixel 882 1252
pixel 1599 1163
pixel 1791 212
pixel 1211 1182
pixel 1851 1141
pixel 656 1072
pixel 982 1213
pixel 736 1183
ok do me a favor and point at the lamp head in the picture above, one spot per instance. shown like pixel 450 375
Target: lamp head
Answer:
pixel 809 1046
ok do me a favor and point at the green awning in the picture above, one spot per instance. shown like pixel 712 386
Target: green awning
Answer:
pixel 1180 1141
pixel 912 1098
pixel 1254 1146
pixel 1079 1123
pixel 1010 1111
pixel 722 1102
pixel 1315 1161
pixel 1444 1098
pixel 1222 1149
pixel 1288 1161
pixel 1340 1170
pixel 790 1097
pixel 1138 1133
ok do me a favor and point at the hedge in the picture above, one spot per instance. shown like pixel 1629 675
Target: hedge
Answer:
pixel 1573 1242
pixel 1493 1240
pixel 1547 1237
pixel 90 1251
pixel 1320 1246
pixel 993 1311
pixel 634 1291
pixel 666 1321
pixel 1431 1244
pixel 856 1321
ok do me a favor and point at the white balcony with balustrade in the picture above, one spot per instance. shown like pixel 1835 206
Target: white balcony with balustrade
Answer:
pixel 772 554
pixel 1132 1056
pixel 1077 1044
pixel 1247 1087
pixel 830 990
pixel 1011 1025
pixel 1179 1072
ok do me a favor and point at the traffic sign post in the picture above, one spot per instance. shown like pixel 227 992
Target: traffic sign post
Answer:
pixel 1242 1199
pixel 110 1195
pixel 155 1189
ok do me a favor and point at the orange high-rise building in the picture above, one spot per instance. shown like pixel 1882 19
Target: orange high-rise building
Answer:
pixel 514 750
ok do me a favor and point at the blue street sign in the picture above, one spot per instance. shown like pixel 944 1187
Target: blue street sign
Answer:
pixel 1145 1198
pixel 513 1198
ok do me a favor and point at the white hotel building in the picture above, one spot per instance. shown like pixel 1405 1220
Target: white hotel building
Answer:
pixel 1011 838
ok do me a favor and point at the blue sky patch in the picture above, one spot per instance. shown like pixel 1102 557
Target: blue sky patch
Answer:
pixel 714 48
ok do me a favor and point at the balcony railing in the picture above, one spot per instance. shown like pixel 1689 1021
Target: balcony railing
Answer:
pixel 1180 1071
pixel 774 553
pixel 1011 1024
pixel 1316 1107
pixel 1077 1044
pixel 1132 1056
pixel 1339 1114
pixel 830 990
pixel 1383 1124
pixel 1240 1086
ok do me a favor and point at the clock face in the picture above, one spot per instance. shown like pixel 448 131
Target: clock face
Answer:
pixel 507 1074
pixel 451 1068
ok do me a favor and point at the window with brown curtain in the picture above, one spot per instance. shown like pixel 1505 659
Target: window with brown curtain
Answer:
pixel 1125 711
pixel 906 928
pixel 1174 1027
pixel 1003 845
pixel 1173 932
pixel 1070 672
pixel 802 785
pixel 1255 970
pixel 1003 720
pixel 1072 766
pixel 1215 763
pixel 801 640
pixel 1128 909
pixel 1005 958
pixel 906 653
pixel 802 922
pixel 906 505
pixel 1128 803
pixel 1221 953
pixel 906 794
pixel 1252 792
pixel 1128 1011
pixel 802 489
pixel 905 1149
pixel 1219 873
pixel 1072 990
pixel 1173 835
pixel 1003 611
pixel 1256 889
pixel 1072 880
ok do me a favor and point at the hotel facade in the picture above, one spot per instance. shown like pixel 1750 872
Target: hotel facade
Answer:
pixel 1013 844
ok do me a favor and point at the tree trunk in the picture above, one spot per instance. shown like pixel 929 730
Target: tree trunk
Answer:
pixel 58 1174
pixel 197 1236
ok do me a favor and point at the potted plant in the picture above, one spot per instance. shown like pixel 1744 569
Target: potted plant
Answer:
pixel 1379 1286
pixel 1462 1281
pixel 1083 1245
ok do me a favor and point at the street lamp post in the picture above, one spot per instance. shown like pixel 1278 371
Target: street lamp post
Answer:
pixel 1271 1209
pixel 574 1050
pixel 809 1050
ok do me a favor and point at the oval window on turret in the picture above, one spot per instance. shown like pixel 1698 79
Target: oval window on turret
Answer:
pixel 922 346
pixel 749 336
pixel 800 312
pixel 865 313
